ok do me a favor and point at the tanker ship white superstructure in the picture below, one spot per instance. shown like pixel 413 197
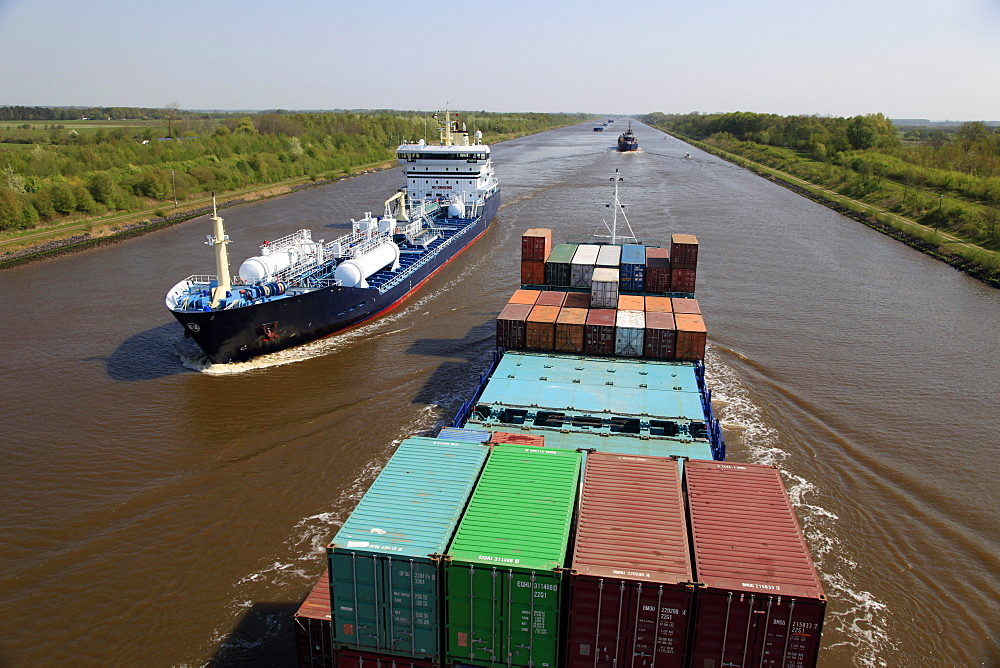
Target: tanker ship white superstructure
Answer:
pixel 299 289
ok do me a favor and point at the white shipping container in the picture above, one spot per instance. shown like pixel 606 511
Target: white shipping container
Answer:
pixel 630 328
pixel 604 288
pixel 609 256
pixel 582 267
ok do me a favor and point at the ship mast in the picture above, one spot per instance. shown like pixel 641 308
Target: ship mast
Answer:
pixel 219 241
pixel 445 128
pixel 617 205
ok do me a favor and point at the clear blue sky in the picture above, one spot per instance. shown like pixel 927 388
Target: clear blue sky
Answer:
pixel 936 59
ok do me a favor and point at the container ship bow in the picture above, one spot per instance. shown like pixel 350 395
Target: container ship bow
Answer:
pixel 298 290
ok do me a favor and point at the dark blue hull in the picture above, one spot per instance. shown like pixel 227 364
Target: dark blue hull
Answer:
pixel 238 334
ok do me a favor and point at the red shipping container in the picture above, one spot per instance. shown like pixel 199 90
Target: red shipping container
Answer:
pixel 541 328
pixel 512 325
pixel 631 303
pixel 599 332
pixel 631 581
pixel 683 251
pixel 569 330
pixel 532 272
pixel 350 658
pixel 527 440
pixel 764 607
pixel 536 244
pixel 682 280
pixel 524 297
pixel 661 336
pixel 692 336
pixel 684 305
pixel 659 305
pixel 657 270
pixel 551 298
pixel 313 627
pixel 577 300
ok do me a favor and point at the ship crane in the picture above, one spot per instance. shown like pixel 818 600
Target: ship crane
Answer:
pixel 219 240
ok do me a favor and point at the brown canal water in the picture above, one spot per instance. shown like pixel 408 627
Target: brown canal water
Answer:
pixel 156 512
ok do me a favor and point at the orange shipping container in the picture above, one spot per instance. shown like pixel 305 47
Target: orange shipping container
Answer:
pixel 631 303
pixel 541 330
pixel 524 297
pixel 313 627
pixel 661 336
pixel 684 305
pixel 536 244
pixel 532 272
pixel 599 333
pixel 569 330
pixel 691 336
pixel 512 325
pixel 551 298
pixel 659 305
pixel 529 440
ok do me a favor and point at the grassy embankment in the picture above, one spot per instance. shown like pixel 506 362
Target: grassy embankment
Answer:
pixel 268 155
pixel 950 215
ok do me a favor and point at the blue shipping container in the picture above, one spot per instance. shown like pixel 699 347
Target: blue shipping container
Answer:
pixel 633 268
pixel 383 563
pixel 460 434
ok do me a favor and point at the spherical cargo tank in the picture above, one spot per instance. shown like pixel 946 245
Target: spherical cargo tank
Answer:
pixel 262 267
pixel 456 208
pixel 352 273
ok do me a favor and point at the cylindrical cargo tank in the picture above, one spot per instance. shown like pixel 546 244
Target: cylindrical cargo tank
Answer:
pixel 352 273
pixel 262 267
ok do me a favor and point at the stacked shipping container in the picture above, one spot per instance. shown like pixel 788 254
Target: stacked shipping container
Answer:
pixel 503 572
pixel 631 589
pixel 760 602
pixel 633 595
pixel 535 247
pixel 383 561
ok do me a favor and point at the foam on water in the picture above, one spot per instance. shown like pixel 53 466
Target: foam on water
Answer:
pixel 854 615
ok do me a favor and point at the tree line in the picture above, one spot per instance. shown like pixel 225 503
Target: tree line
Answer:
pixel 118 171
pixel 949 179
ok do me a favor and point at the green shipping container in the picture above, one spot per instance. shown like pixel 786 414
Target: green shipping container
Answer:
pixel 557 265
pixel 384 563
pixel 503 573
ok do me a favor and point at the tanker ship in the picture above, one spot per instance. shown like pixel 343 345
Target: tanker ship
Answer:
pixel 299 289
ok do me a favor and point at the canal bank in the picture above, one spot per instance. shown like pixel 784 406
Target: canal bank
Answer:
pixel 925 239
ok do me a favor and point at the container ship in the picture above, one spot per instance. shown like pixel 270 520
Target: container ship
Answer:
pixel 627 141
pixel 299 289
pixel 578 511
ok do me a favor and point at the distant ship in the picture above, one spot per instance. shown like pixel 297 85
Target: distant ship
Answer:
pixel 627 141
pixel 298 290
